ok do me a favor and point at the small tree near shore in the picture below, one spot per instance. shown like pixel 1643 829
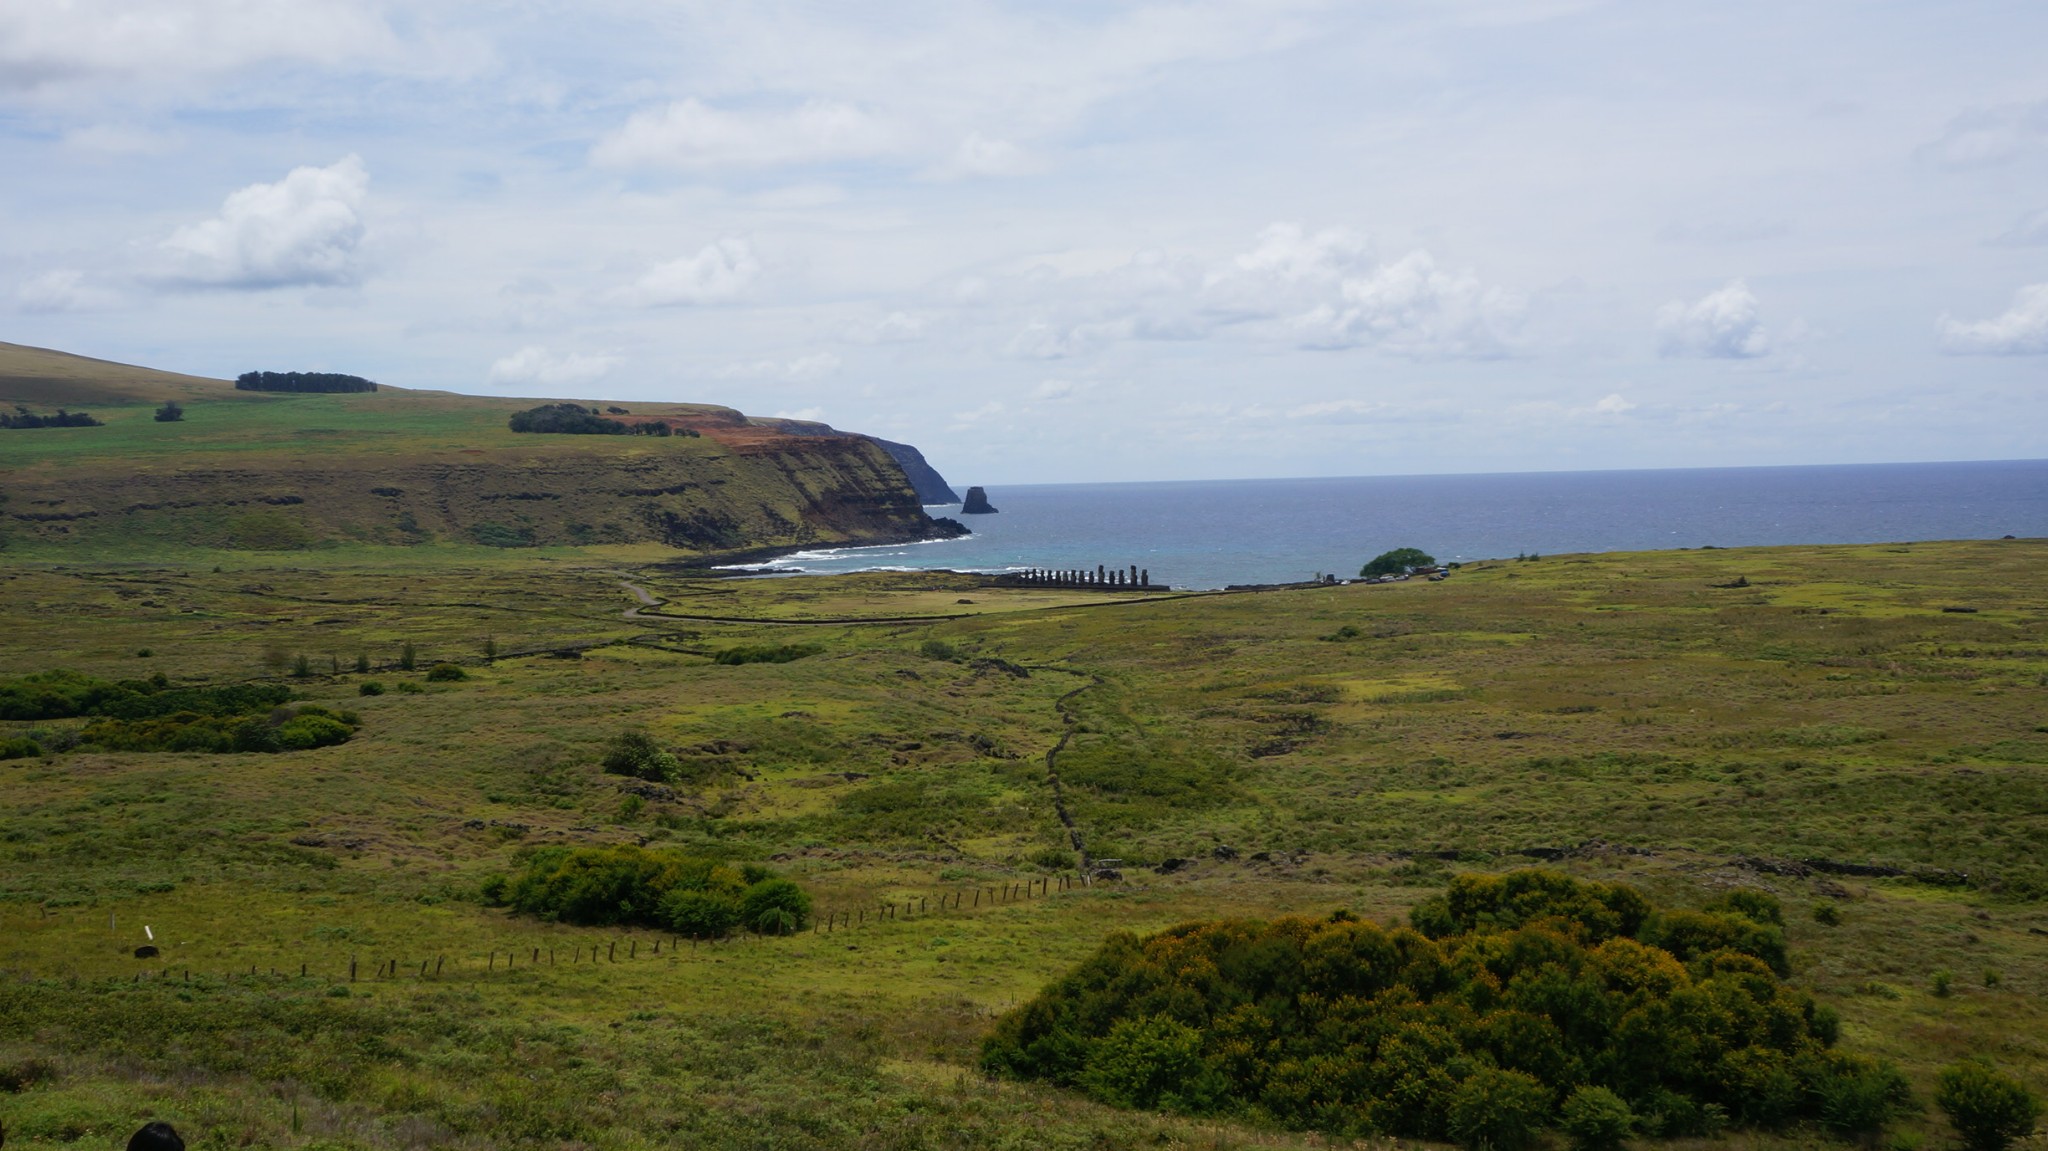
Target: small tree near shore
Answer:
pixel 1400 561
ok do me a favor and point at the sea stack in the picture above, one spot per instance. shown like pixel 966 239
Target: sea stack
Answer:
pixel 977 503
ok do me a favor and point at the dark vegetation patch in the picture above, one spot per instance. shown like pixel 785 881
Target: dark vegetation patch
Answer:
pixel 766 653
pixel 689 895
pixel 1507 1000
pixel 302 382
pixel 577 420
pixel 151 715
pixel 23 418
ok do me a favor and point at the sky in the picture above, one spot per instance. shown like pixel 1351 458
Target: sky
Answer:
pixel 1053 242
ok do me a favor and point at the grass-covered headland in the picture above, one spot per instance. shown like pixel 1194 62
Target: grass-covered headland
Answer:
pixel 1717 849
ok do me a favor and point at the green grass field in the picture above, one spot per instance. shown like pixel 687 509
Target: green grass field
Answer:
pixel 1619 716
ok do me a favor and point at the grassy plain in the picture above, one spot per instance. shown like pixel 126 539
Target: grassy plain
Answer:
pixel 1623 716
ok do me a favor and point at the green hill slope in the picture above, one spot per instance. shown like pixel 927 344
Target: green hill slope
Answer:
pixel 396 467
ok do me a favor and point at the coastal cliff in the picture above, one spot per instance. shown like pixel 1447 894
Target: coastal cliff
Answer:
pixel 396 467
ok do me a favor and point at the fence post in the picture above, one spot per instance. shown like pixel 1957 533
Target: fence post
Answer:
pixel 437 963
pixel 493 965
pixel 351 969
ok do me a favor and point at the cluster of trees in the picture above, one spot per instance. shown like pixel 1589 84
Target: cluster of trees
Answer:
pixel 577 420
pixel 689 895
pixel 302 382
pixel 1513 1004
pixel 23 418
pixel 299 728
pixel 1400 561
pixel 151 715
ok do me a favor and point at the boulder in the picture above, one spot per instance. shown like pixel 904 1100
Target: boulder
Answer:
pixel 976 503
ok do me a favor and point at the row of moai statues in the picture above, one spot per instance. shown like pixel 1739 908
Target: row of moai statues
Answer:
pixel 1102 576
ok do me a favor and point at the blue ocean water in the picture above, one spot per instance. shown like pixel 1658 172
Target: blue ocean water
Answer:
pixel 1212 533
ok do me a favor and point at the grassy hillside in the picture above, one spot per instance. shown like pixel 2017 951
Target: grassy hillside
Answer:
pixel 286 472
pixel 1821 723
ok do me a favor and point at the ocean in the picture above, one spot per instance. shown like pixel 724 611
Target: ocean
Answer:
pixel 1213 533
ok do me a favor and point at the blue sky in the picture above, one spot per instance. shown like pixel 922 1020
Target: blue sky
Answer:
pixel 1087 242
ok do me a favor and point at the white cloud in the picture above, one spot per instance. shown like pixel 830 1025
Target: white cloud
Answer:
pixel 305 229
pixel 538 367
pixel 808 415
pixel 2021 331
pixel 801 370
pixel 691 135
pixel 1986 137
pixel 49 46
pixel 64 290
pixel 1288 252
pixel 1055 390
pixel 805 369
pixel 894 328
pixel 720 272
pixel 980 155
pixel 1412 308
pixel 993 409
pixel 1614 404
pixel 118 140
pixel 1721 325
pixel 2030 230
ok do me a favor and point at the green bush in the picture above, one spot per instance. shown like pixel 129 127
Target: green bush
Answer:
pixel 775 907
pixel 690 895
pixel 1986 1108
pixel 635 753
pixel 408 687
pixel 766 653
pixel 701 914
pixel 305 732
pixel 1519 989
pixel 1155 1063
pixel 938 649
pixel 1857 1097
pixel 1596 1119
pixel 445 673
pixel 1498 1110
pixel 20 747
pixel 369 687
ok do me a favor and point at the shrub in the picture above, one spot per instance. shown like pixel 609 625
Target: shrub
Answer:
pixel 1498 1110
pixel 1518 989
pixel 408 657
pixel 1856 1097
pixel 938 649
pixel 170 413
pixel 690 895
pixel 635 753
pixel 408 687
pixel 1944 982
pixel 445 673
pixel 1986 1108
pixel 766 653
pixel 369 687
pixel 305 732
pixel 1596 1119
pixel 701 914
pixel 775 907
pixel 20 747
pixel 1827 915
pixel 1155 1063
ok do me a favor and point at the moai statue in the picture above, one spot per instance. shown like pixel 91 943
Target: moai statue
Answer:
pixel 1100 571
pixel 1134 573
pixel 1146 581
